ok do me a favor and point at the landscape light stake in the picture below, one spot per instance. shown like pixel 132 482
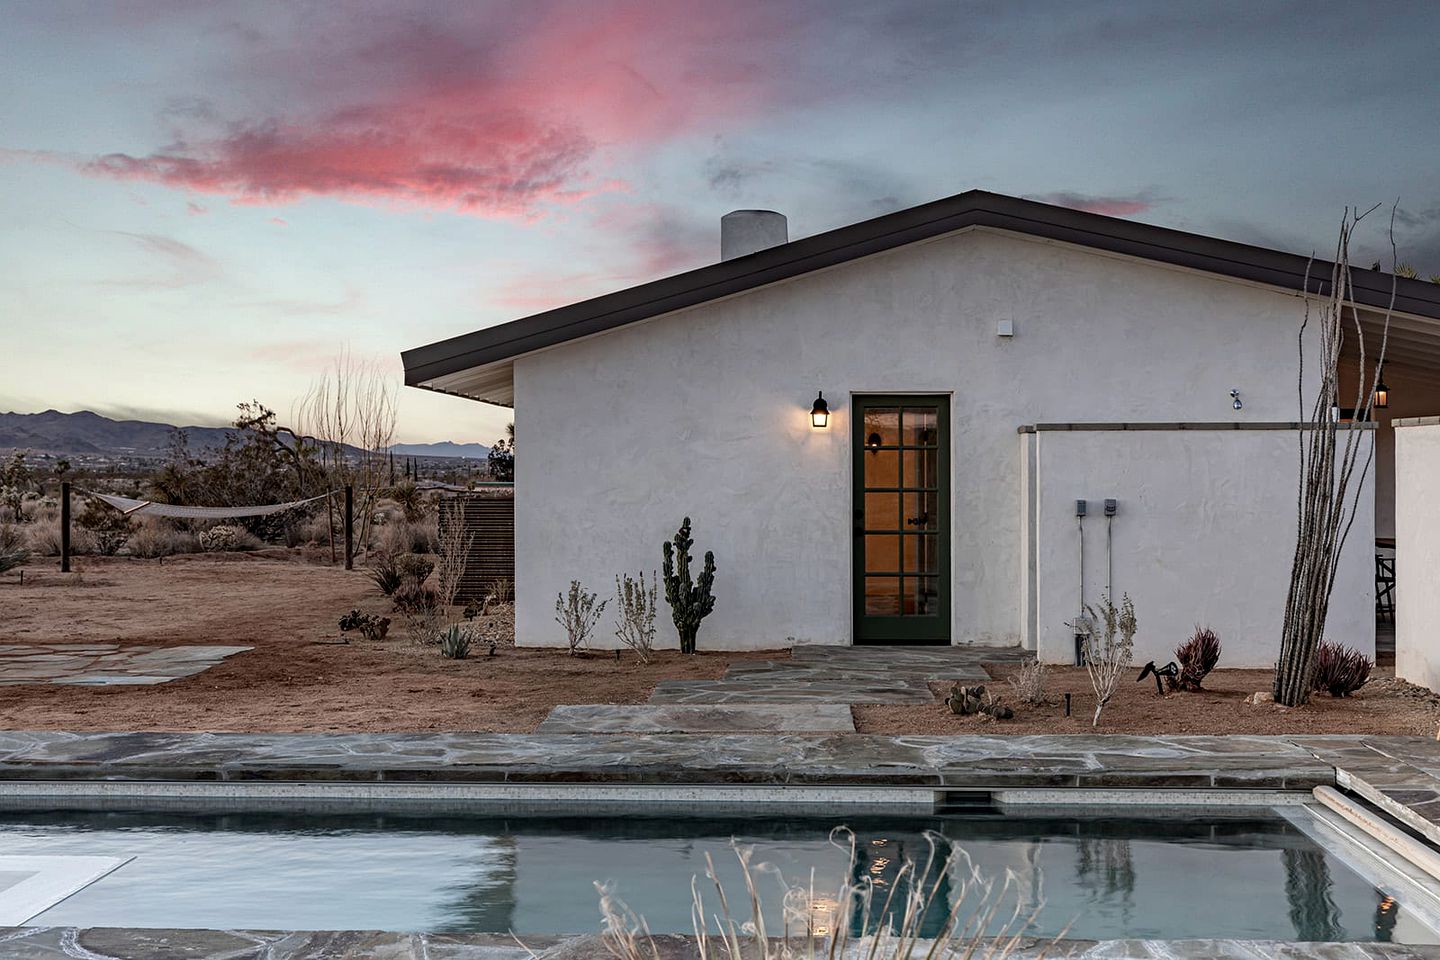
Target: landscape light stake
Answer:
pixel 65 526
pixel 349 527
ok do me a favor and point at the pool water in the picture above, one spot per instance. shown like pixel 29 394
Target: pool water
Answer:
pixel 1254 876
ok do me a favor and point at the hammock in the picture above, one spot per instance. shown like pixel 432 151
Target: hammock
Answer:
pixel 128 507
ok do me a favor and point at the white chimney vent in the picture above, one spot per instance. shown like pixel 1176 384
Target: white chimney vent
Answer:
pixel 743 232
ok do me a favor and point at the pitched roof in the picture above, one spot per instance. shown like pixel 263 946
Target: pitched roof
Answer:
pixel 477 364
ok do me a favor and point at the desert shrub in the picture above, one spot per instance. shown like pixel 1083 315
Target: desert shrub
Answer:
pixel 690 602
pixel 1107 653
pixel 316 529
pixel 501 591
pixel 382 570
pixel 1339 669
pixel 412 598
pixel 12 536
pixel 409 499
pixel 12 557
pixel 425 626
pixel 1029 683
pixel 636 627
pixel 1196 657
pixel 155 538
pixel 455 642
pixel 44 538
pixel 371 627
pixel 226 537
pixel 109 528
pixel 398 538
pixel 414 568
pixel 578 613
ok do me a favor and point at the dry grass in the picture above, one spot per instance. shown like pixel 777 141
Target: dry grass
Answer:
pixel 985 917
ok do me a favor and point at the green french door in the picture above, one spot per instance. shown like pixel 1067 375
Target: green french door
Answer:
pixel 902 519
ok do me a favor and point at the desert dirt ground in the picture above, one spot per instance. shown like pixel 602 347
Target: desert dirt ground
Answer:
pixel 300 678
pixel 1382 706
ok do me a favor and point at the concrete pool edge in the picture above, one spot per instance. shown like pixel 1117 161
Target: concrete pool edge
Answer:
pixel 1401 775
pixel 35 943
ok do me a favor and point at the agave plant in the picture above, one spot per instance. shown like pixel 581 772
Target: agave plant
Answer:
pixel 455 642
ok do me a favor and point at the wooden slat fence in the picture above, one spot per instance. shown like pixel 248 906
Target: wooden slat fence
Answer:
pixel 490 521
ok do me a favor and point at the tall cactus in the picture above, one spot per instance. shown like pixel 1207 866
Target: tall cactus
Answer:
pixel 689 601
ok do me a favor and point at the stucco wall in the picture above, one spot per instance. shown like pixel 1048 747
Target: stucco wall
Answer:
pixel 704 412
pixel 1417 552
pixel 1203 534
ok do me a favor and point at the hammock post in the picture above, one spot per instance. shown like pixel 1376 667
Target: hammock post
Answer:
pixel 349 527
pixel 64 526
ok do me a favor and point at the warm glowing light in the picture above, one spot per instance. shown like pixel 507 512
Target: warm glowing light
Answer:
pixel 1382 392
pixel 820 412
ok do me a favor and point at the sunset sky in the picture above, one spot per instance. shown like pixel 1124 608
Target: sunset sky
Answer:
pixel 204 202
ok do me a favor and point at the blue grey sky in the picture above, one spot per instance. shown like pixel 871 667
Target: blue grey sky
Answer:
pixel 206 202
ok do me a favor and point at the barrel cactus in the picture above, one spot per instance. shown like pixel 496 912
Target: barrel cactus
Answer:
pixel 690 601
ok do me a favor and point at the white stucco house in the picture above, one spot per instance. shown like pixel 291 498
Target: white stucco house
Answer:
pixel 987 363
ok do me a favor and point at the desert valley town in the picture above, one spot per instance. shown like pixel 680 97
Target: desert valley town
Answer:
pixel 678 480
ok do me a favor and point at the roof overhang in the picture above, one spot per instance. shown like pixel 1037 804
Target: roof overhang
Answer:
pixel 479 365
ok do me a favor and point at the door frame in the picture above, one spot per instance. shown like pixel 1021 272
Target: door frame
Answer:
pixel 901 629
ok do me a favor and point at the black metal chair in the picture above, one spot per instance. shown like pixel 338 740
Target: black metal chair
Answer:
pixel 1384 588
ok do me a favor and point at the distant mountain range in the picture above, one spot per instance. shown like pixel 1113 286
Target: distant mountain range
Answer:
pixel 445 448
pixel 89 434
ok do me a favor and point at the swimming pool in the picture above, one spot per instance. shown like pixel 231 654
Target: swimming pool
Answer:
pixel 1250 874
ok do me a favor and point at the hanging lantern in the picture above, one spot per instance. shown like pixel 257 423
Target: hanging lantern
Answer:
pixel 1382 392
pixel 820 412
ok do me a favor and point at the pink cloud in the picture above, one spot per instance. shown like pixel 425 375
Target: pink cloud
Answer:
pixel 491 111
pixel 1108 206
pixel 195 210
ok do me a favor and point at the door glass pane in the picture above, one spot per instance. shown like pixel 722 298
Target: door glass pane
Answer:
pixel 882 596
pixel 922 511
pixel 921 596
pixel 918 427
pixel 920 467
pixel 882 424
pixel 882 553
pixel 922 554
pixel 882 511
pixel 882 468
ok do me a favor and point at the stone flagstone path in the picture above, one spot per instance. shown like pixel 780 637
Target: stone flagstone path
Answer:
pixel 105 664
pixel 810 693
pixel 834 674
pixel 706 718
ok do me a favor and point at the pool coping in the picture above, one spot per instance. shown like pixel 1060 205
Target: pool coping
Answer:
pixel 947 762
pixel 1400 775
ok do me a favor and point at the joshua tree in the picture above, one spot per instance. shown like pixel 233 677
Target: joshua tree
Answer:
pixel 690 602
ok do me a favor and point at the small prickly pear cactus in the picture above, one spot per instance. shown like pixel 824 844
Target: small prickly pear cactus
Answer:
pixel 689 601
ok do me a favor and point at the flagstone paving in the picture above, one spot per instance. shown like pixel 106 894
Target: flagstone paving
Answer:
pixel 105 664
pixel 706 718
pixel 819 674
pixel 840 759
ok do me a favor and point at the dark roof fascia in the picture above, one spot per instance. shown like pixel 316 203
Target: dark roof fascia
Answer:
pixel 1371 288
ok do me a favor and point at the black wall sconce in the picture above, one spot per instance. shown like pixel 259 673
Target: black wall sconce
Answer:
pixel 1382 392
pixel 820 411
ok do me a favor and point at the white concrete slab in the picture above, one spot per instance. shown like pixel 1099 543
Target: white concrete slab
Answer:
pixel 31 885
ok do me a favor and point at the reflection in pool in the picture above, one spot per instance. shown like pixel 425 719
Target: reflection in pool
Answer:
pixel 1253 876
